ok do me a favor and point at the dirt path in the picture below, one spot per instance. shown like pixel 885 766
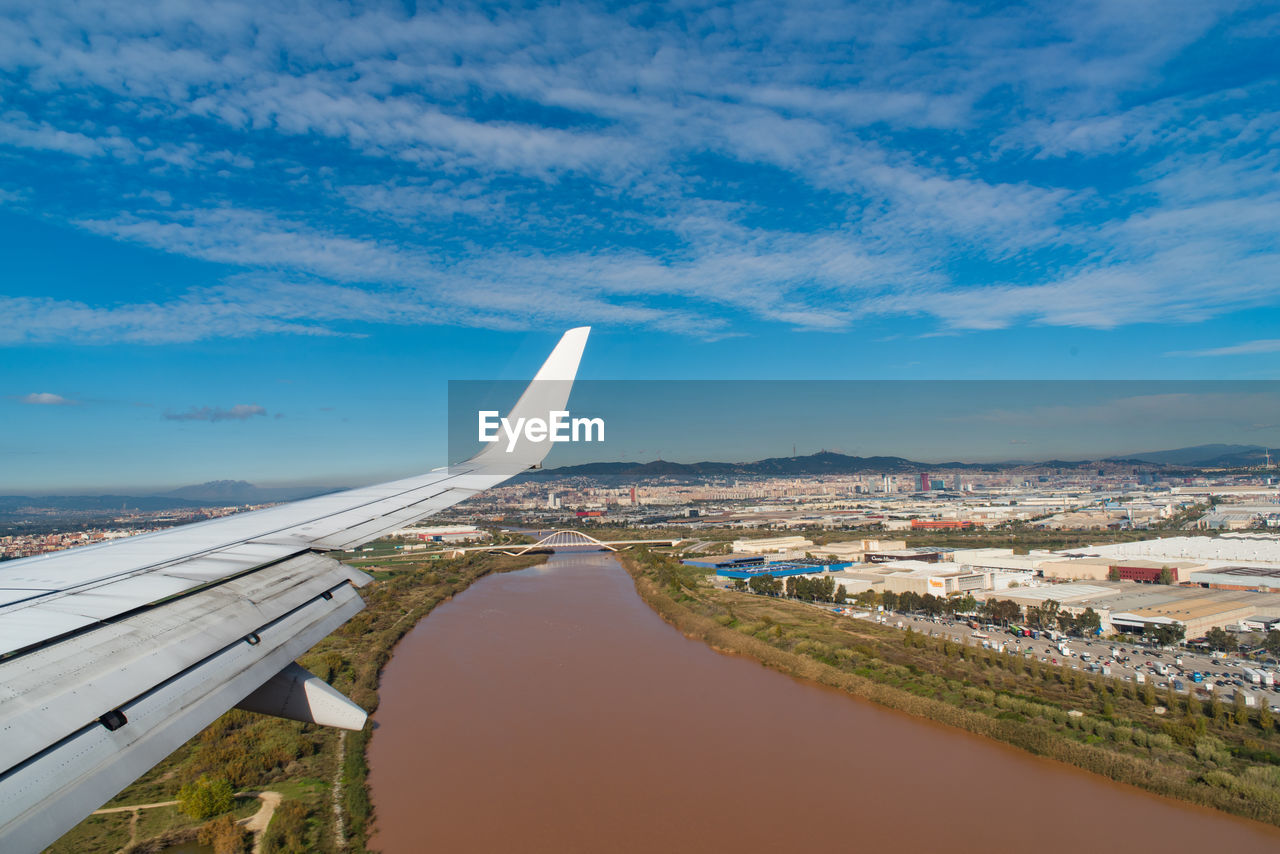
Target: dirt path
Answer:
pixel 136 807
pixel 257 823
pixel 340 826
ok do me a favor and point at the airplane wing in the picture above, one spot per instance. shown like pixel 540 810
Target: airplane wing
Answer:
pixel 114 655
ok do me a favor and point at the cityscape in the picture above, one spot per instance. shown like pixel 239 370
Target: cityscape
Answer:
pixel 565 428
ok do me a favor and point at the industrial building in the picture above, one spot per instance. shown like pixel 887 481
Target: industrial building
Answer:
pixel 442 534
pixel 1263 578
pixel 773 545
pixel 929 555
pixel 778 570
pixel 855 550
pixel 1077 569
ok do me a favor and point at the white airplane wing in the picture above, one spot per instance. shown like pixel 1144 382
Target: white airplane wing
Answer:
pixel 114 655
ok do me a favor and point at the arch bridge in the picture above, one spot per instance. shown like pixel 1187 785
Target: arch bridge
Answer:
pixel 566 539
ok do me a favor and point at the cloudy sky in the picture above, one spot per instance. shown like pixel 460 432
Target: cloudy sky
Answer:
pixel 253 239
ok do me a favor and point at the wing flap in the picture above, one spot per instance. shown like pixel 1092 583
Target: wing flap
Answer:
pixel 110 666
pixel 74 776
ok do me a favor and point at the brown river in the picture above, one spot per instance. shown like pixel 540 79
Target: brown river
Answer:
pixel 550 710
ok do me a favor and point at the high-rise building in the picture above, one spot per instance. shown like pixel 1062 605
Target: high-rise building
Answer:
pixel 924 482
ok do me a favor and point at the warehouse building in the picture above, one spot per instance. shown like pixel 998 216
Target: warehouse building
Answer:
pixel 1078 569
pixel 777 570
pixel 921 577
pixel 856 549
pixel 929 555
pixel 773 545
pixel 1260 578
pixel 1199 614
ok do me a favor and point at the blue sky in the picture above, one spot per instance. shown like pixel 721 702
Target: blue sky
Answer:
pixel 254 240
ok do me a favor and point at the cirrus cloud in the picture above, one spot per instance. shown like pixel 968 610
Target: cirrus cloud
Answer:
pixel 239 412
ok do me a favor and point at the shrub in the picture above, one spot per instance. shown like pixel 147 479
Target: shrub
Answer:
pixel 205 798
pixel 287 833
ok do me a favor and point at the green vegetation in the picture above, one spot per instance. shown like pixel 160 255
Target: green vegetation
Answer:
pixel 224 836
pixel 248 752
pixel 1187 747
pixel 1221 640
pixel 204 798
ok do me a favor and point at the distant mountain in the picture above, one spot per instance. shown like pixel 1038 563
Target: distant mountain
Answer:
pixel 831 463
pixel 222 492
pixel 1207 456
pixel 824 462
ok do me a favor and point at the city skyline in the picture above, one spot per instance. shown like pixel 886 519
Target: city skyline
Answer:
pixel 248 242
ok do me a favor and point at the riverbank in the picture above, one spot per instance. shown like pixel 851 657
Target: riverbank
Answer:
pixel 1200 753
pixel 301 761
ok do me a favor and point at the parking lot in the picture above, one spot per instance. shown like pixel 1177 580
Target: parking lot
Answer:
pixel 1225 674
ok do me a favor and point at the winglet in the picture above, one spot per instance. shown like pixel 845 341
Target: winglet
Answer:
pixel 549 392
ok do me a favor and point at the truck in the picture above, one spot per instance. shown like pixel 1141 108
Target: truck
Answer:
pixel 1254 676
pixel 1139 678
pixel 1106 671
pixel 1162 669
pixel 1267 678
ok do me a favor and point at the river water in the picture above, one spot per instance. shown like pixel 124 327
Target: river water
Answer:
pixel 550 710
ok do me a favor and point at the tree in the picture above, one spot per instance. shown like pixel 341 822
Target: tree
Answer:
pixel 1034 617
pixel 868 598
pixel 1241 710
pixel 841 594
pixel 204 798
pixel 1049 613
pixel 967 604
pixel 1165 576
pixel 1215 707
pixel 1005 611
pixel 1089 622
pixel 1272 642
pixel 1165 634
pixel 1265 722
pixel 1113 574
pixel 890 600
pixel 739 584
pixel 1221 640
pixel 766 585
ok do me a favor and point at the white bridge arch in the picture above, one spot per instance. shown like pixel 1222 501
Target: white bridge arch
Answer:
pixel 565 539
pixel 569 539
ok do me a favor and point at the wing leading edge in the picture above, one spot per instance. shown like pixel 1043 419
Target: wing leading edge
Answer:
pixel 112 656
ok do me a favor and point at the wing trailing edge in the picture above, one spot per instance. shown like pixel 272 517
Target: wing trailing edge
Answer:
pixel 113 656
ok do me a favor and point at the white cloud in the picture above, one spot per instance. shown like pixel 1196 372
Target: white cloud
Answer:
pixel 1244 348
pixel 512 167
pixel 44 398
pixel 239 412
